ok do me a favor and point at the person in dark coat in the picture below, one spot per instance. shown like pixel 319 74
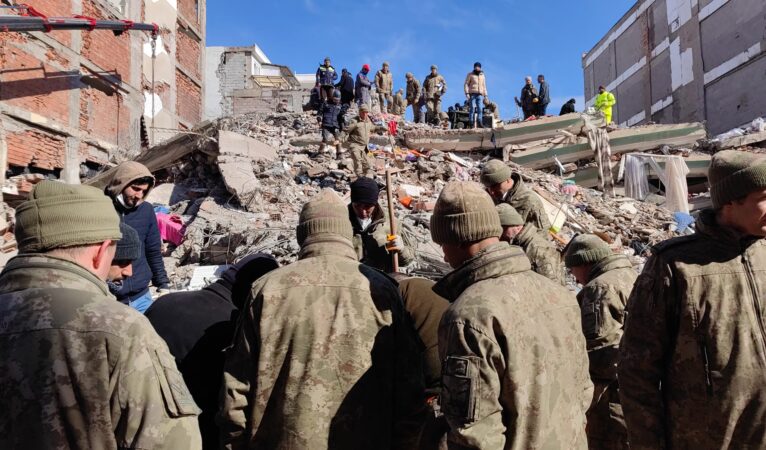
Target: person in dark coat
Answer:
pixel 128 187
pixel 544 96
pixel 331 119
pixel 199 325
pixel 346 87
pixel 569 107
pixel 529 99
pixel 325 78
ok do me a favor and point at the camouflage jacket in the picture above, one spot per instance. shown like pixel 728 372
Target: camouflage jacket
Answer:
pixel 323 357
pixel 384 81
pixel 358 133
pixel 514 363
pixel 693 354
pixel 526 202
pixel 370 243
pixel 414 92
pixel 602 302
pixel 78 369
pixel 434 86
pixel 545 257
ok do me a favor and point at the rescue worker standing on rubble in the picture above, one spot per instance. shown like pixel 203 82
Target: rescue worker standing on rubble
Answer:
pixel 324 355
pixel 604 103
pixel 491 108
pixel 373 241
pixel 414 97
pixel 692 357
pixel 400 105
pixel 568 107
pixel 529 99
pixel 514 364
pixel 362 87
pixel 325 79
pixel 357 138
pixel 544 97
pixel 542 253
pixel 384 81
pixel 434 88
pixel 78 369
pixel 346 88
pixel 129 186
pixel 475 88
pixel 330 117
pixel 505 186
pixel 607 279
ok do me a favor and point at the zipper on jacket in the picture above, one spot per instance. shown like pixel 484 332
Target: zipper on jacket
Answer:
pixel 706 361
pixel 756 302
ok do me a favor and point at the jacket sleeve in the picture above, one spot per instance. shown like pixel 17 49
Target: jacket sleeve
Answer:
pixel 643 352
pixel 444 85
pixel 483 85
pixel 334 74
pixel 465 83
pixel 545 96
pixel 418 91
pixel 234 417
pixel 471 385
pixel 156 409
pixel 610 100
pixel 318 75
pixel 153 249
pixel 601 315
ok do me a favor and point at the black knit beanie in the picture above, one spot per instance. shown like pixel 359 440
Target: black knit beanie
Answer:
pixel 365 190
pixel 129 247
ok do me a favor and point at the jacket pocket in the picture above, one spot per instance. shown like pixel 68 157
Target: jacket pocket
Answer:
pixel 459 390
pixel 590 320
pixel 177 398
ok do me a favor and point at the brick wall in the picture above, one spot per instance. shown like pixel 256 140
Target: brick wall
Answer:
pixel 106 117
pixel 37 149
pixel 188 52
pixel 188 9
pixel 109 52
pixel 188 99
pixel 53 8
pixel 232 73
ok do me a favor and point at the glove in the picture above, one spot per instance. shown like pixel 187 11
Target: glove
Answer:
pixel 535 100
pixel 394 243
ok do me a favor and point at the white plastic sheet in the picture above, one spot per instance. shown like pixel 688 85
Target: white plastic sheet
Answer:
pixel 672 176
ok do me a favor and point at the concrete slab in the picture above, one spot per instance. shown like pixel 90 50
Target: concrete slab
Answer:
pixel 235 144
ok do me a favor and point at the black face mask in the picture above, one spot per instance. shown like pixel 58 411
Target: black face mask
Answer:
pixel 477 71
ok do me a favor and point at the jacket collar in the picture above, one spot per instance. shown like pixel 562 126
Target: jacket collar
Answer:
pixel 40 271
pixel 608 264
pixel 325 245
pixel 518 186
pixel 708 226
pixel 378 217
pixel 494 261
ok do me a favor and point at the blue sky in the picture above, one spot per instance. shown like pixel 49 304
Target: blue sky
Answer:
pixel 510 38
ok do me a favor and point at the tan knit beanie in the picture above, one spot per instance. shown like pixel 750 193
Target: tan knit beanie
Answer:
pixel 59 215
pixel 586 249
pixel 494 172
pixel 509 217
pixel 734 174
pixel 324 213
pixel 464 213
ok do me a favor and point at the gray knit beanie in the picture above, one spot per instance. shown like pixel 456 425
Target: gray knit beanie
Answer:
pixel 509 217
pixel 494 172
pixel 324 213
pixel 734 174
pixel 129 246
pixel 586 249
pixel 464 213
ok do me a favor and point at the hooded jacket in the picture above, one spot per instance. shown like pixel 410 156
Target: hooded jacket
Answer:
pixel 693 354
pixel 514 364
pixel 370 243
pixel 568 108
pixel 323 357
pixel 526 202
pixel 81 371
pixel 544 256
pixel 149 267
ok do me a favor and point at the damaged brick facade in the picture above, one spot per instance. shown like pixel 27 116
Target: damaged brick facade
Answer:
pixel 68 98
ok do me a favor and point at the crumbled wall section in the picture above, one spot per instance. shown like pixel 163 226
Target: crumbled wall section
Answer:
pixel 36 149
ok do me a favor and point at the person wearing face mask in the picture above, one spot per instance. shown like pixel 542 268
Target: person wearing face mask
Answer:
pixel 128 188
pixel 372 239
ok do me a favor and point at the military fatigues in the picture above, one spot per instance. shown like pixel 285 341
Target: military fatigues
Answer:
pixel 414 97
pixel 692 358
pixel 526 202
pixel 514 363
pixel 434 87
pixel 385 84
pixel 80 370
pixel 370 243
pixel 544 256
pixel 400 105
pixel 602 302
pixel 324 357
pixel 358 137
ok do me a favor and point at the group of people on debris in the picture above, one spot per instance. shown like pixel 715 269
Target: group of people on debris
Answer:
pixel 337 351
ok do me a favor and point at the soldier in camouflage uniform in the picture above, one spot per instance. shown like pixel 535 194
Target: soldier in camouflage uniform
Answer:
pixel 434 88
pixel 544 256
pixel 80 370
pixel 508 187
pixel 324 355
pixel 514 363
pixel 357 138
pixel 607 280
pixel 384 81
pixel 693 354
pixel 414 97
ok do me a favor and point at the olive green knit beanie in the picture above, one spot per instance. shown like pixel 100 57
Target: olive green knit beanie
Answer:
pixel 735 174
pixel 324 213
pixel 586 249
pixel 59 215
pixel 464 213
pixel 494 172
pixel 509 217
